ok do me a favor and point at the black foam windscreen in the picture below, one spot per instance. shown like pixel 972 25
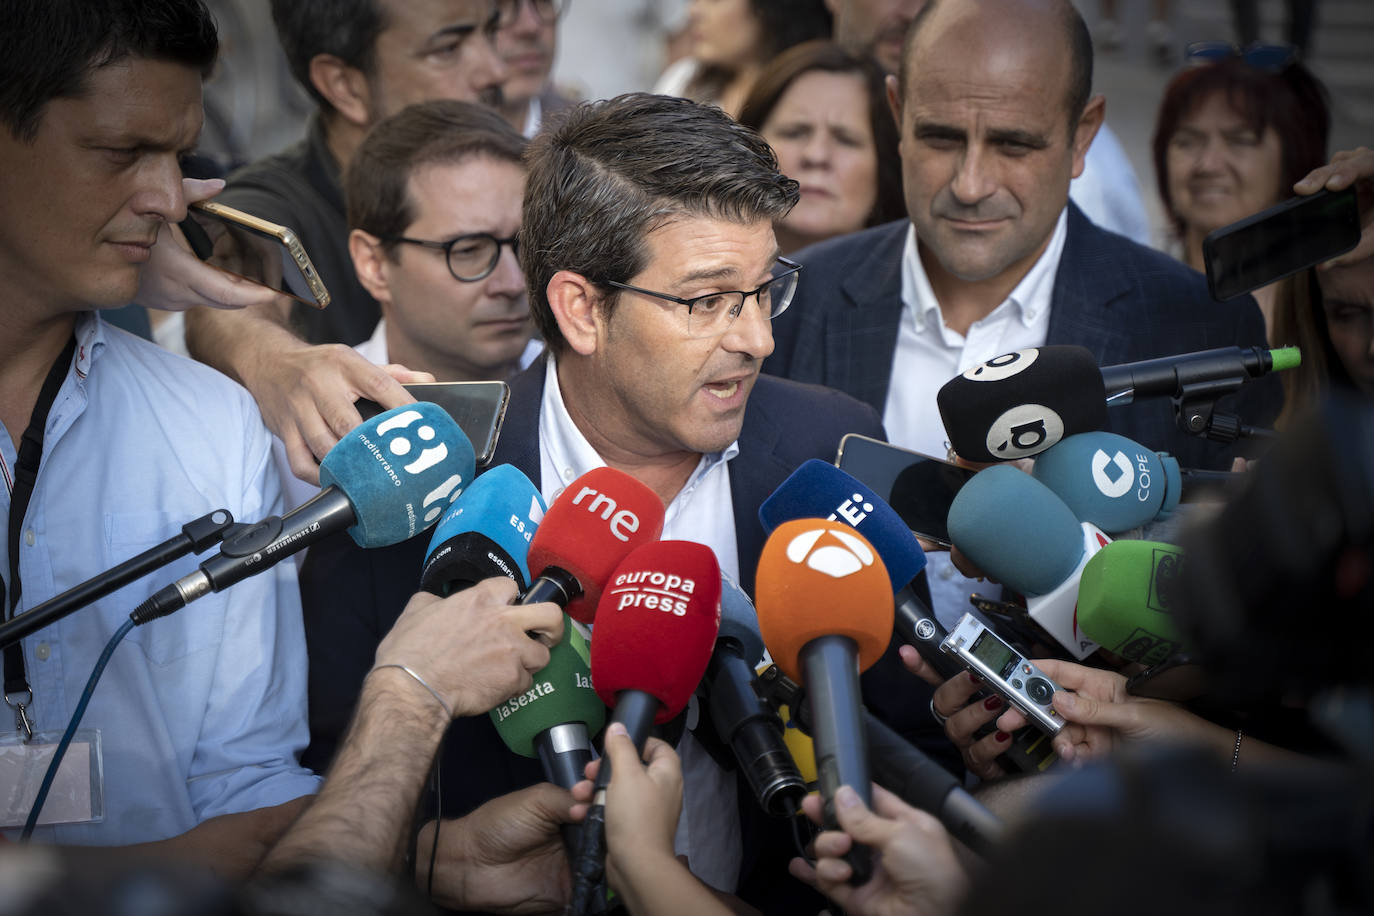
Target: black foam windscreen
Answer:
pixel 1021 403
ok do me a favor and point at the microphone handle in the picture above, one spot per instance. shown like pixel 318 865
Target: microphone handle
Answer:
pixel 636 710
pixel 922 783
pixel 564 751
pixel 753 732
pixel 830 667
pixel 1168 374
pixel 552 584
pixel 916 624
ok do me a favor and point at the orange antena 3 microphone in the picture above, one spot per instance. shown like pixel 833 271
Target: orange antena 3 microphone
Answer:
pixel 824 602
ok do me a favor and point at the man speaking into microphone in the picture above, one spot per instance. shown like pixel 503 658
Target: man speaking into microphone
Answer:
pixel 655 280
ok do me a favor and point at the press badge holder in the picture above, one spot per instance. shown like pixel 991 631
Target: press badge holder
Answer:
pixel 77 794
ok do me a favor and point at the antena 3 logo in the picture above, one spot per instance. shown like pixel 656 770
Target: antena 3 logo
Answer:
pixel 653 590
pixel 834 553
pixel 1001 367
pixel 1118 484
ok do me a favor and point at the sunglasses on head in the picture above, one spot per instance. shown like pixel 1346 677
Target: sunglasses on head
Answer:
pixel 1269 58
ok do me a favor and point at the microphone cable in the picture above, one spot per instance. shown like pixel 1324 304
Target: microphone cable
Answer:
pixel 72 726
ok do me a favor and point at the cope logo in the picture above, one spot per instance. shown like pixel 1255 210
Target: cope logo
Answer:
pixel 653 590
pixel 396 440
pixel 1115 475
pixel 1112 485
pixel 1001 367
pixel 834 553
pixel 1025 430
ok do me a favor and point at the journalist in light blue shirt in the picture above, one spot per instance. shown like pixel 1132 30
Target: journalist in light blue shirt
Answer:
pixel 201 713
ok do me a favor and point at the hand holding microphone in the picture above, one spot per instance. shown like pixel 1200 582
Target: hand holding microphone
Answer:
pixel 471 650
pixel 917 872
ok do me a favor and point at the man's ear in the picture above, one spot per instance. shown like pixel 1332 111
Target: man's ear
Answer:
pixel 370 263
pixel 344 86
pixel 574 300
pixel 894 99
pixel 1093 115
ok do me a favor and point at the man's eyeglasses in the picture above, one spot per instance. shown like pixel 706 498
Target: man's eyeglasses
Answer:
pixel 507 11
pixel 470 257
pixel 1269 58
pixel 712 314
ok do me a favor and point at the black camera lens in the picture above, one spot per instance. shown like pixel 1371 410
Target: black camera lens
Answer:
pixel 1039 690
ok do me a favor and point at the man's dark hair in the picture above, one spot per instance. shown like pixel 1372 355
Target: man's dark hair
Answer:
pixel 427 133
pixel 1076 36
pixel 49 47
pixel 346 29
pixel 614 171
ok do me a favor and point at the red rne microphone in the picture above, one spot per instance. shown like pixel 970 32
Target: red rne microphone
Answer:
pixel 824 602
pixel 594 524
pixel 656 627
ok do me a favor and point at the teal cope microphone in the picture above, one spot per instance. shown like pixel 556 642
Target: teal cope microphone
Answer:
pixel 385 481
pixel 1111 481
pixel 1016 530
pixel 740 718
pixel 485 533
pixel 1127 600
pixel 821 490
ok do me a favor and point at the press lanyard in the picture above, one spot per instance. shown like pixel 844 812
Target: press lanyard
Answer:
pixel 25 475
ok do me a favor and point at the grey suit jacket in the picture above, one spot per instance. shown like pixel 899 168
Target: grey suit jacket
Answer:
pixel 1122 301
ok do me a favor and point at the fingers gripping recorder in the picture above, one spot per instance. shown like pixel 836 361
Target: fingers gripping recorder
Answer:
pixel 825 611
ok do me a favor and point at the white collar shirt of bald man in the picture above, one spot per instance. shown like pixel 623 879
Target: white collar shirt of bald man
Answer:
pixel 708 829
pixel 929 354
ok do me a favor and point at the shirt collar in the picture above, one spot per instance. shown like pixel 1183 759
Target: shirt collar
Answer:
pixel 90 342
pixel 1031 297
pixel 572 455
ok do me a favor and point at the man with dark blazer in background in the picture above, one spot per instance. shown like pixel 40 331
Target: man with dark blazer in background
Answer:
pixel 653 275
pixel 995 118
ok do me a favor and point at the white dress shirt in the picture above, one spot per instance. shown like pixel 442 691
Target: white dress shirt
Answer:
pixel 702 511
pixel 929 354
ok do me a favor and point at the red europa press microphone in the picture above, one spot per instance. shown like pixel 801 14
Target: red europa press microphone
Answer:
pixel 824 601
pixel 656 627
pixel 594 524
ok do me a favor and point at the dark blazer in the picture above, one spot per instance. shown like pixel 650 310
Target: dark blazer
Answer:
pixel 785 424
pixel 1122 301
pixel 351 597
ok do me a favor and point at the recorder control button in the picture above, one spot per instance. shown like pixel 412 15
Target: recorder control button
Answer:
pixel 1039 690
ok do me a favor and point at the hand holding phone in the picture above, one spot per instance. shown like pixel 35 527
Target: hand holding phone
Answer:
pixel 255 249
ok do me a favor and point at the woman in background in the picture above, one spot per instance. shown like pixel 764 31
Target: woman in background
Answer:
pixel 732 41
pixel 825 114
pixel 1236 130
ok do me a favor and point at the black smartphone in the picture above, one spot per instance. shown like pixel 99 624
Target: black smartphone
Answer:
pixel 1294 235
pixel 255 249
pixel 918 487
pixel 479 409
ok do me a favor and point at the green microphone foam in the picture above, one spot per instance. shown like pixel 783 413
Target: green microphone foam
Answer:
pixel 1285 358
pixel 562 693
pixel 1126 599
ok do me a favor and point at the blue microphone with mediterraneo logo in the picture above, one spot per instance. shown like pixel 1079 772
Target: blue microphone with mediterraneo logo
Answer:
pixel 388 479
